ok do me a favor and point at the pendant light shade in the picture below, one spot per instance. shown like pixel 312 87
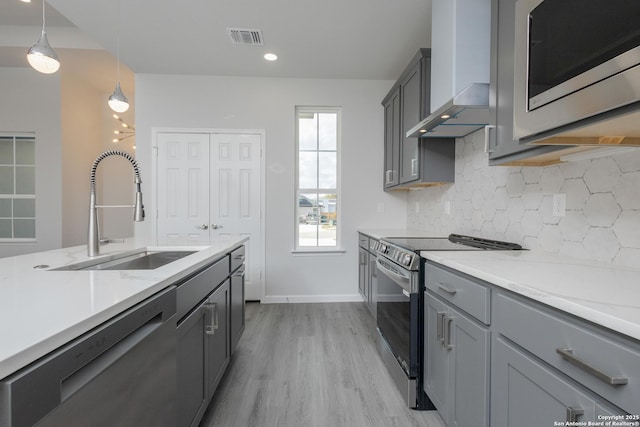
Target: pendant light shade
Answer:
pixel 40 56
pixel 118 102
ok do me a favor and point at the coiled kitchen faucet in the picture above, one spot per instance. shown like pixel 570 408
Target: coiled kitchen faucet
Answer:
pixel 93 238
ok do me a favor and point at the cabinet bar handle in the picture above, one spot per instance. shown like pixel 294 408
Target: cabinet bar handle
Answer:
pixel 567 354
pixel 440 326
pixel 447 289
pixel 573 414
pixel 487 137
pixel 212 308
pixel 447 332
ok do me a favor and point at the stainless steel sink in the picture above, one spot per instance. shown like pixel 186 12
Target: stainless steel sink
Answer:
pixel 142 260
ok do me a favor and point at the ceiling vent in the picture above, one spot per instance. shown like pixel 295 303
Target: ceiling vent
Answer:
pixel 244 36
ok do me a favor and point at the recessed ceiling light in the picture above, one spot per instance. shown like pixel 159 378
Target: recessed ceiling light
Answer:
pixel 270 56
pixel 25 1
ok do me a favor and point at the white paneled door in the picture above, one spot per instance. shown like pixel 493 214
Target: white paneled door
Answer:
pixel 209 186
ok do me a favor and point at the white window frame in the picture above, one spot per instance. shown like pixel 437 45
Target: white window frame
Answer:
pixel 298 190
pixel 15 136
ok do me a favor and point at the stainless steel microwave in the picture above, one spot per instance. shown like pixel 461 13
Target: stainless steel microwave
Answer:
pixel 574 60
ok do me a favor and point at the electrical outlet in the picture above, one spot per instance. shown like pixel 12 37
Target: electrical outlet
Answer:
pixel 559 204
pixel 417 207
pixel 380 207
pixel 447 207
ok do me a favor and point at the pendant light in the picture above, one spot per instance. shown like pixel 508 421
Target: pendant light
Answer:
pixel 117 101
pixel 40 56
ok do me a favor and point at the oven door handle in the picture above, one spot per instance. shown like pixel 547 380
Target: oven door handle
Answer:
pixel 404 282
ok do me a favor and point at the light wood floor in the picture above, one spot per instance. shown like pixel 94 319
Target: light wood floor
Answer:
pixel 300 365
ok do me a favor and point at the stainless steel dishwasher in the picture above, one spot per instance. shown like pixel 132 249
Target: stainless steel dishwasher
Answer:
pixel 122 373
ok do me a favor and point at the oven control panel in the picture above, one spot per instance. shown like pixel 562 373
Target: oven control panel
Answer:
pixel 405 258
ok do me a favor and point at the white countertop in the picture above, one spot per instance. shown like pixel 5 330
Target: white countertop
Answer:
pixel 40 310
pixel 601 293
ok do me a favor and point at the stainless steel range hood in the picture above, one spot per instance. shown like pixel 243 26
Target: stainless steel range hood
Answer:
pixel 467 112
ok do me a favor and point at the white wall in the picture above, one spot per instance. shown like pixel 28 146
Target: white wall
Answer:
pixel 266 103
pixel 602 221
pixel 30 102
pixel 82 135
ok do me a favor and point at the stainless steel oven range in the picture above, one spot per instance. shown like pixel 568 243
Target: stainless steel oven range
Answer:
pixel 400 308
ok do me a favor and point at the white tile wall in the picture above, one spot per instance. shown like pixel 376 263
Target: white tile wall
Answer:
pixel 602 220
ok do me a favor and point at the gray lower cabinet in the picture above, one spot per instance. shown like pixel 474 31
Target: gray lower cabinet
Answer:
pixel 367 271
pixel 217 330
pixel 456 365
pixel 192 367
pixel 237 306
pixel 211 320
pixel 526 393
pixel 363 273
pixel 457 346
pixel 551 367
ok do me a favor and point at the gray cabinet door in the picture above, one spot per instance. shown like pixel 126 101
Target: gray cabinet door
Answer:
pixel 363 273
pixel 392 139
pixel 469 372
pixel 237 306
pixel 436 354
pixel 503 148
pixel 410 98
pixel 373 285
pixel 526 393
pixel 217 331
pixel 191 368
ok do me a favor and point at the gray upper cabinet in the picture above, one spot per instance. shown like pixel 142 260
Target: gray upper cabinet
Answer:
pixel 503 149
pixel 392 138
pixel 411 97
pixel 411 162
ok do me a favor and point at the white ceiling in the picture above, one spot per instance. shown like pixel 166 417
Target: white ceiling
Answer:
pixel 346 39
pixel 350 39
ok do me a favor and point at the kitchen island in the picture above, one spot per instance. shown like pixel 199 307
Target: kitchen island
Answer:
pixel 41 309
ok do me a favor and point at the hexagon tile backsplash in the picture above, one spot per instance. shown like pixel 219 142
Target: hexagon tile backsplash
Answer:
pixel 601 222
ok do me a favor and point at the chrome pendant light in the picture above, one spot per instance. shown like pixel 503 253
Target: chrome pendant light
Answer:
pixel 40 56
pixel 118 102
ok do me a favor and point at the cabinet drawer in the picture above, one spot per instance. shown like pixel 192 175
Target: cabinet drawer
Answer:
pixel 237 258
pixel 363 241
pixel 470 296
pixel 193 290
pixel 602 362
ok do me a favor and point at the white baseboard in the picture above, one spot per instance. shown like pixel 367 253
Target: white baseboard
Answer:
pixel 279 299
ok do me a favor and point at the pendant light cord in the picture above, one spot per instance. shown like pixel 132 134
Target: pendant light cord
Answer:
pixel 118 41
pixel 43 18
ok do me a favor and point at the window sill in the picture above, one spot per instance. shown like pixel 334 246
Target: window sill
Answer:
pixel 306 252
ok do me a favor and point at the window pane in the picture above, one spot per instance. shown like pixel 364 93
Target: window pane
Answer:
pixel 6 151
pixel 308 131
pixel 308 211
pixel 328 220
pixel 308 169
pixel 24 208
pixel 5 208
pixel 328 169
pixel 25 180
pixel 5 229
pixel 24 228
pixel 25 152
pixel 6 180
pixel 328 131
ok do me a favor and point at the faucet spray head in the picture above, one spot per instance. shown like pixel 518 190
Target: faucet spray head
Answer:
pixel 138 209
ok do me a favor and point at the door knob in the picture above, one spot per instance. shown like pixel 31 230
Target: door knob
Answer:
pixel 215 226
pixel 202 227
